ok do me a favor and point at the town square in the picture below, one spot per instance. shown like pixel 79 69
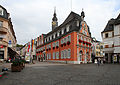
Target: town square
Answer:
pixel 65 42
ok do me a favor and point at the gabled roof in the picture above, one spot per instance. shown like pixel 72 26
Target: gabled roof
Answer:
pixel 109 26
pixel 111 23
pixel 70 17
pixel 117 20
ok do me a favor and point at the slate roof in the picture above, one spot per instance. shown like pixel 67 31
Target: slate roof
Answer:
pixel 109 26
pixel 70 17
pixel 111 23
pixel 117 20
pixel 5 13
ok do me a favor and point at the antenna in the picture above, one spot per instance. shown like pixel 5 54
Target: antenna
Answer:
pixel 55 9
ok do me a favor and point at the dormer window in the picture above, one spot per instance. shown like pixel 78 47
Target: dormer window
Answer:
pixel 70 27
pixel 56 35
pixel 49 38
pixel 65 30
pixel 60 32
pixel 52 36
pixel 1 11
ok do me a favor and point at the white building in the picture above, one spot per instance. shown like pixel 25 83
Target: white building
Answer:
pixel 111 40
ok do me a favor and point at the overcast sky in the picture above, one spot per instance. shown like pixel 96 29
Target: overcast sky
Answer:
pixel 31 18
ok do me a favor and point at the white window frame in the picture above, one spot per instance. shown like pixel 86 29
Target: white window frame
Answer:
pixel 53 55
pixel 61 54
pixel 57 55
pixel 69 53
pixel 62 31
pixel 49 55
pixel 58 33
pixel 54 35
pixel 67 28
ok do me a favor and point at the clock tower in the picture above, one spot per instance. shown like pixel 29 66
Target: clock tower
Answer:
pixel 54 20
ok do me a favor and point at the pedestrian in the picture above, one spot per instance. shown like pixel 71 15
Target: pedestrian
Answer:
pixel 98 61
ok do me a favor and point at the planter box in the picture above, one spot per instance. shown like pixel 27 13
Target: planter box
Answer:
pixel 15 68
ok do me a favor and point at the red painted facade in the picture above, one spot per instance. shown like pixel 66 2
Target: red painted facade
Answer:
pixel 74 47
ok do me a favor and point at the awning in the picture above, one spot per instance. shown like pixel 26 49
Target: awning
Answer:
pixel 12 53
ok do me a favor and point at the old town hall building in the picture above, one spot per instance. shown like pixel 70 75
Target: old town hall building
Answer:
pixel 69 42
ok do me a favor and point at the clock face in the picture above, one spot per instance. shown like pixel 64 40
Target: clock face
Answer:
pixel 53 23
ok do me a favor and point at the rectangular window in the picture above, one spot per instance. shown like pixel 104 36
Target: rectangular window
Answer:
pixel 57 55
pixel 49 55
pixel 53 55
pixel 106 35
pixel 112 34
pixel 61 54
pixel 64 54
pixel 69 53
pixel 1 24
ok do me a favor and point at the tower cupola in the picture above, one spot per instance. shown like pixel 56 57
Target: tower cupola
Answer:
pixel 54 20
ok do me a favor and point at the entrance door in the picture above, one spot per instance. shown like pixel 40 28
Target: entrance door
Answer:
pixel 1 54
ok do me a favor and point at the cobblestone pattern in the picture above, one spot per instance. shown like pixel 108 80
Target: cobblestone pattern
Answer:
pixel 62 74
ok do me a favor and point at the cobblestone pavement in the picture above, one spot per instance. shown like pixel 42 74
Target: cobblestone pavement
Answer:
pixel 44 73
